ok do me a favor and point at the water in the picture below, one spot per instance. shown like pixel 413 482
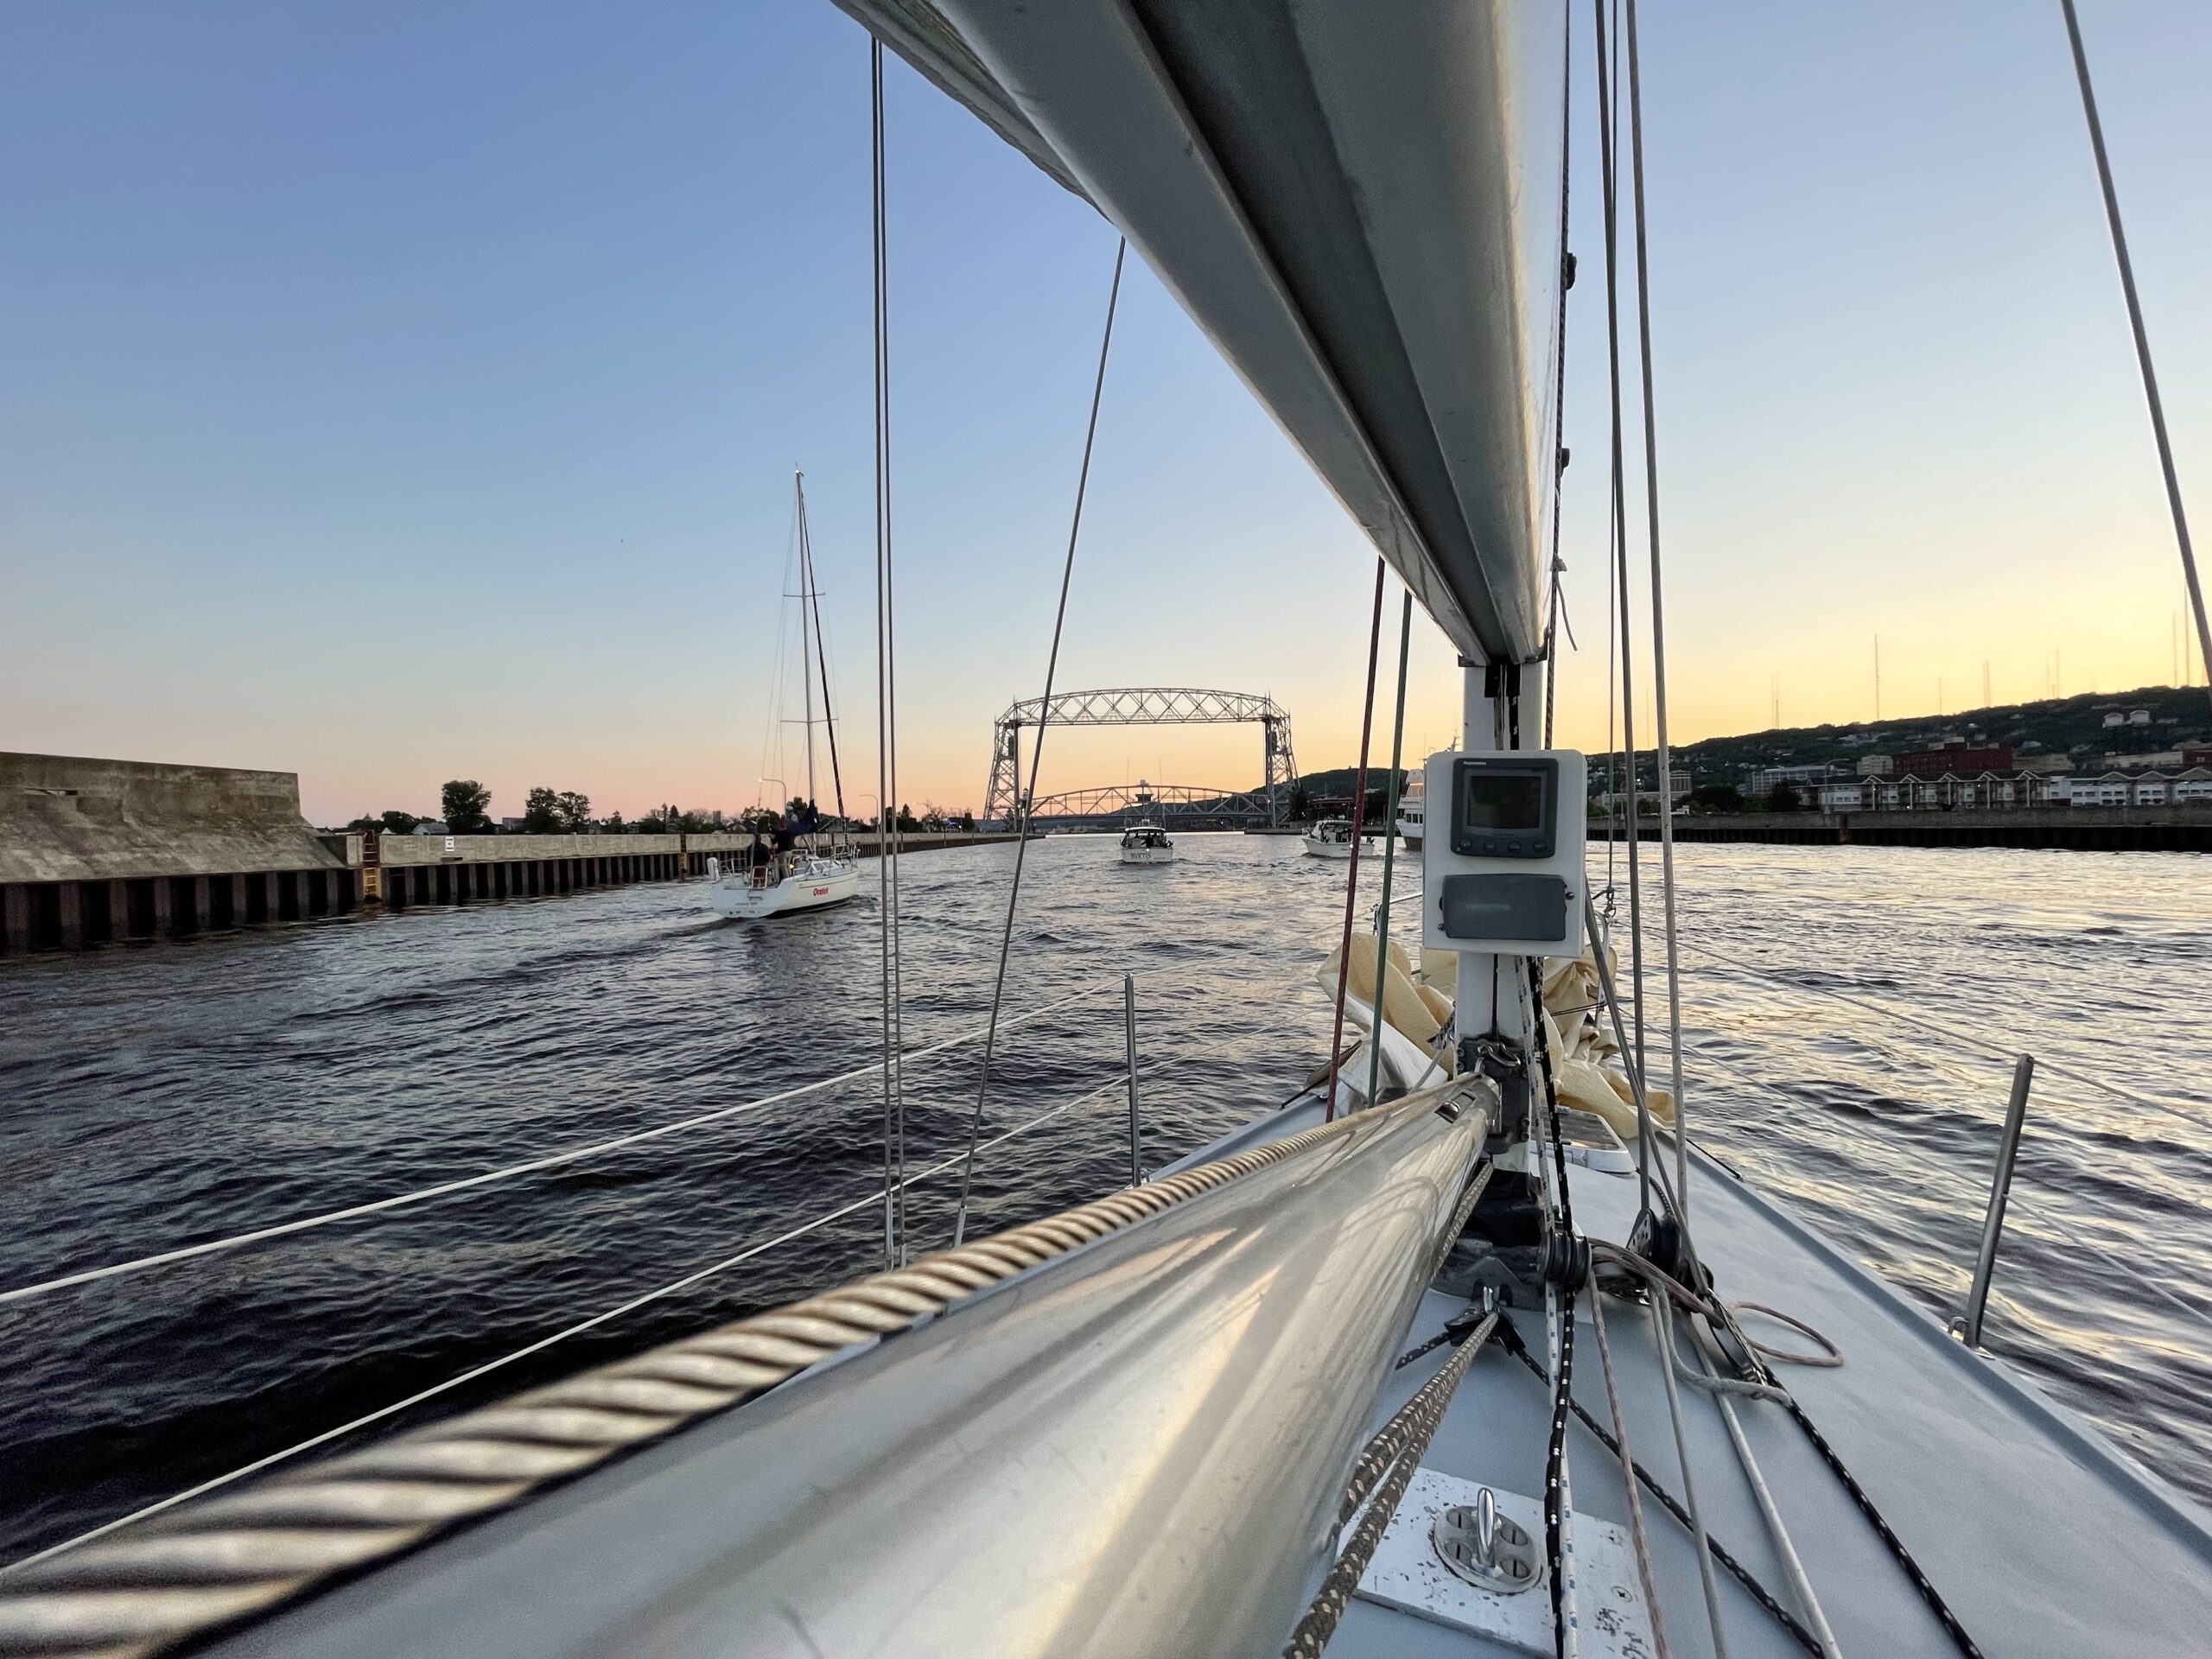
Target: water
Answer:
pixel 163 1094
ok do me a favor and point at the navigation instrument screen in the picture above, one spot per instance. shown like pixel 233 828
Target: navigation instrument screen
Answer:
pixel 1503 802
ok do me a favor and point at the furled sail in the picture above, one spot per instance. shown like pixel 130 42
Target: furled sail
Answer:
pixel 1360 204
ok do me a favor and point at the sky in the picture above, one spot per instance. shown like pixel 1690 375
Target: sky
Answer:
pixel 392 393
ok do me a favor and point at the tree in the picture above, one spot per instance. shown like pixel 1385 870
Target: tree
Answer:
pixel 462 802
pixel 398 824
pixel 966 822
pixel 1717 798
pixel 614 825
pixel 575 812
pixel 1784 798
pixel 933 817
pixel 907 820
pixel 541 813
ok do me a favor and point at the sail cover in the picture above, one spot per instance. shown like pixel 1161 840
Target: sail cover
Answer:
pixel 1360 204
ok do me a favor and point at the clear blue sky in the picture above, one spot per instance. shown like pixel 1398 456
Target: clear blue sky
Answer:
pixel 395 392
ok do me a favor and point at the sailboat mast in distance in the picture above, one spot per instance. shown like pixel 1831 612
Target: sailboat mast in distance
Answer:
pixel 806 645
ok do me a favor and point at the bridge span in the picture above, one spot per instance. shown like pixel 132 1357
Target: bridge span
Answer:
pixel 1177 806
pixel 1145 706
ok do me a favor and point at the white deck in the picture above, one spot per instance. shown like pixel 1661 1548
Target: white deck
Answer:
pixel 2042 1536
pixel 2043 1539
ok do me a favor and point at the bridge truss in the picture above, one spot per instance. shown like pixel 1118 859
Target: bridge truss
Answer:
pixel 1189 804
pixel 1143 705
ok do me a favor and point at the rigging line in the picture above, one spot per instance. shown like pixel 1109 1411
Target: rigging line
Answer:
pixel 1662 1332
pixel 1667 1501
pixel 1410 1429
pixel 1658 634
pixel 1612 999
pixel 1610 121
pixel 1389 850
pixel 886 845
pixel 1559 1490
pixel 2135 325
pixel 821 651
pixel 329 1434
pixel 551 1160
pixel 1024 807
pixel 1351 870
pixel 1637 1533
pixel 1785 1547
pixel 1559 381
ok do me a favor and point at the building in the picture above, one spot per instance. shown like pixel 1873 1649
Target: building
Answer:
pixel 2168 759
pixel 1955 757
pixel 1764 782
pixel 1876 766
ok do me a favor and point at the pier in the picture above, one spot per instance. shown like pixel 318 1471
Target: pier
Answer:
pixel 102 852
pixel 2186 829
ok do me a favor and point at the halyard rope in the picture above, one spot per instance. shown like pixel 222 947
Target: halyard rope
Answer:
pixel 210 1564
pixel 1351 870
pixel 1024 805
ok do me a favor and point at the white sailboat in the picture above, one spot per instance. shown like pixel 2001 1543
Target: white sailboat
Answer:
pixel 1341 1378
pixel 792 871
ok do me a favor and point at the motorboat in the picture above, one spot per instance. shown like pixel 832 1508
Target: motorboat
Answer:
pixel 1332 838
pixel 1147 843
pixel 1409 821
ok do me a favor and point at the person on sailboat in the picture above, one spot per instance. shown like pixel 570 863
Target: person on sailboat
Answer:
pixel 757 858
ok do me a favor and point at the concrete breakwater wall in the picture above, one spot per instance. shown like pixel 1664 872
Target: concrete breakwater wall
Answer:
pixel 98 852
pixel 2186 829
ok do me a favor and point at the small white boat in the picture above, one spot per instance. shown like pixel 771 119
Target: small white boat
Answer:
pixel 1147 843
pixel 1332 838
pixel 1410 812
pixel 794 881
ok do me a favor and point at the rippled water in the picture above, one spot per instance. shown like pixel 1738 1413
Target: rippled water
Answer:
pixel 167 1093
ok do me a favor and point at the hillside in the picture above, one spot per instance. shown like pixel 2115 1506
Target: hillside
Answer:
pixel 2069 726
pixel 2073 726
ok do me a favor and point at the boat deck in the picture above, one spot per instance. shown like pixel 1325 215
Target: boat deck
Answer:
pixel 952 1476
pixel 2042 1537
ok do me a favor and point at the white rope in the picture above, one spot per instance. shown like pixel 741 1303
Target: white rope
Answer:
pixel 1662 753
pixel 1117 1081
pixel 887 702
pixel 403 1200
pixel 1025 807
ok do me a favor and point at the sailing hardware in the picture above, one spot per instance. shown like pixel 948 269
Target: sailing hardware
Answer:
pixel 1487 1550
pixel 1505 869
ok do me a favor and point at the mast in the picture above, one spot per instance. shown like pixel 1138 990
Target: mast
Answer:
pixel 805 646
pixel 821 664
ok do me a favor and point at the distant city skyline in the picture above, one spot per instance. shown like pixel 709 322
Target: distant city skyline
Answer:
pixel 397 394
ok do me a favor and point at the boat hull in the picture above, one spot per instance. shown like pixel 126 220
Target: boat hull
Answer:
pixel 1147 854
pixel 737 899
pixel 1337 849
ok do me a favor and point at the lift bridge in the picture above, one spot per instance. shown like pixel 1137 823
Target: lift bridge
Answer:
pixel 1146 706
